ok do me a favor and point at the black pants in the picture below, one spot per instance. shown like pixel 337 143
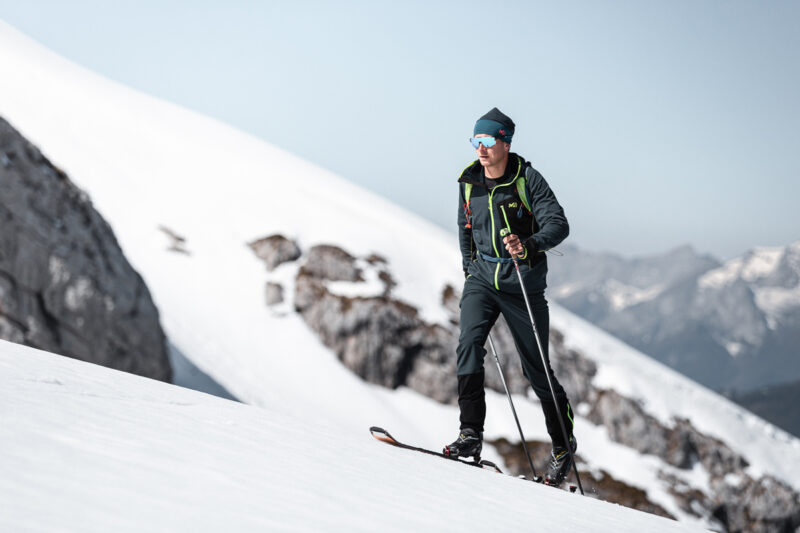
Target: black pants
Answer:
pixel 481 304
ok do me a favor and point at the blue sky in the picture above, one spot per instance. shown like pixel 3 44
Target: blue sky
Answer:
pixel 656 124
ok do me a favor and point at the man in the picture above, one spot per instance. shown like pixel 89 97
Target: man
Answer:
pixel 506 207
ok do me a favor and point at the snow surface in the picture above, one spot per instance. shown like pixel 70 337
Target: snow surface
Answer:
pixel 148 164
pixel 90 449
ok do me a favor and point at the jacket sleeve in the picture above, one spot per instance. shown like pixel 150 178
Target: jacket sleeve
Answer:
pixel 464 233
pixel 550 217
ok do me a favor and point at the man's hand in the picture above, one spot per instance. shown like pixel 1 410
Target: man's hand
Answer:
pixel 513 245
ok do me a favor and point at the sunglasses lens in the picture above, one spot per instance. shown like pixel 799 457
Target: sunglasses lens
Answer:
pixel 488 142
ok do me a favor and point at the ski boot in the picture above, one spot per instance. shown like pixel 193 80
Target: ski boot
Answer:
pixel 469 443
pixel 560 463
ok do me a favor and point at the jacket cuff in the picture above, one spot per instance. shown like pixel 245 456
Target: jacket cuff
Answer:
pixel 531 245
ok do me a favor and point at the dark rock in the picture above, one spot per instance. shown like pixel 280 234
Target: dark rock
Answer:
pixel 599 484
pixel 610 489
pixel 747 504
pixel 575 372
pixel 177 243
pixel 763 505
pixel 451 300
pixel 717 458
pixel 509 361
pixel 628 424
pixel 275 250
pixel 274 293
pixel 375 259
pixel 388 282
pixel 65 285
pixel 381 339
pixel 689 499
pixel 331 263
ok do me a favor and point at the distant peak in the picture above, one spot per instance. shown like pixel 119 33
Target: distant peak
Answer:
pixel 683 249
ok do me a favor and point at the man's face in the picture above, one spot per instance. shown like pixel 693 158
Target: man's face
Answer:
pixel 494 155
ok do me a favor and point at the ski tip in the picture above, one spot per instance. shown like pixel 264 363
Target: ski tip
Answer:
pixel 573 488
pixel 490 466
pixel 381 434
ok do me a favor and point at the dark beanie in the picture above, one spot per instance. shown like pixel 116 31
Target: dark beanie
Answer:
pixel 496 124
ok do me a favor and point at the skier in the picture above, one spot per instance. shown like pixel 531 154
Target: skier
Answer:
pixel 499 192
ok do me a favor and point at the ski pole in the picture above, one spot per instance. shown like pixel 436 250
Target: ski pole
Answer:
pixel 536 478
pixel 506 231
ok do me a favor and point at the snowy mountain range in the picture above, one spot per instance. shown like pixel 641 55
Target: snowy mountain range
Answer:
pixel 150 166
pixel 732 326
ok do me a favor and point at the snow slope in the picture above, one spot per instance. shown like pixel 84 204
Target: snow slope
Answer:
pixel 90 449
pixel 147 163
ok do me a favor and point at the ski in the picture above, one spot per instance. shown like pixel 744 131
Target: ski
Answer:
pixel 384 436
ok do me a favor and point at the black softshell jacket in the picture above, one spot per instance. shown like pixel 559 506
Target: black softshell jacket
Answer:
pixel 541 229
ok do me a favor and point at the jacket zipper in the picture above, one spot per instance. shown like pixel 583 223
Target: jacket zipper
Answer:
pixel 491 215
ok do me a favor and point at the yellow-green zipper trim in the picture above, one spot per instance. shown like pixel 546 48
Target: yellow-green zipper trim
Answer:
pixel 491 215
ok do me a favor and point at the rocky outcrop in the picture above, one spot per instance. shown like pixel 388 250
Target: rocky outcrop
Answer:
pixel 177 243
pixel 762 506
pixel 384 341
pixel 273 293
pixel 737 500
pixel 379 338
pixel 275 250
pixel 575 372
pixel 331 263
pixel 65 285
